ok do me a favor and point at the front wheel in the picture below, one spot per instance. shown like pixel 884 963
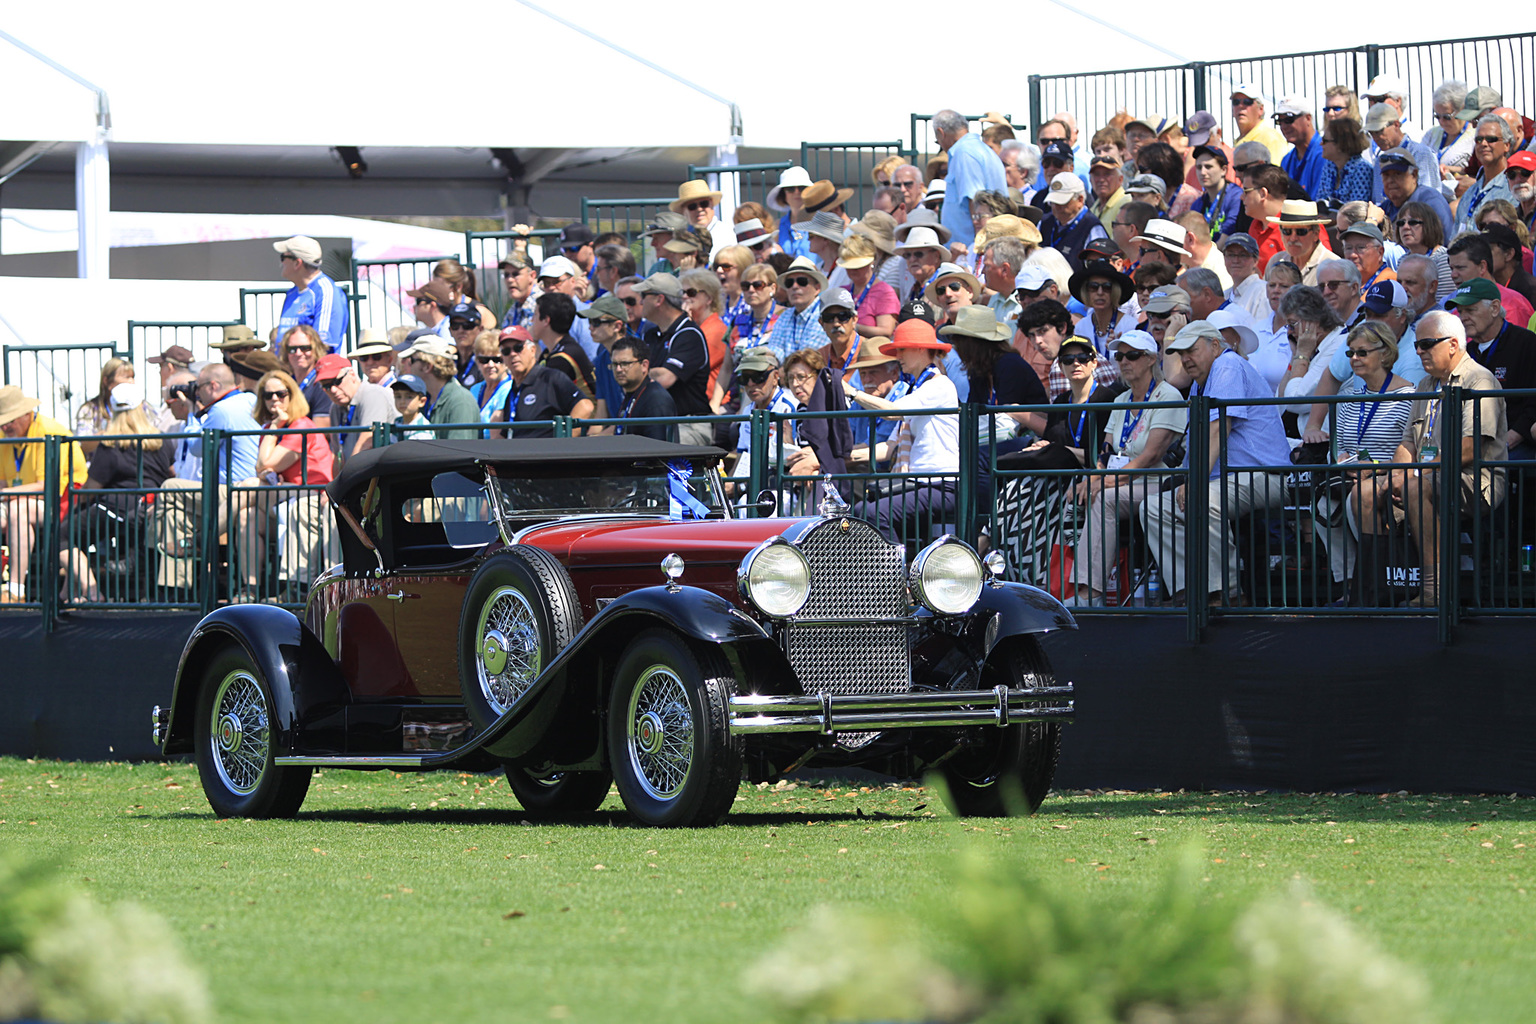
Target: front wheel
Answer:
pixel 558 793
pixel 669 740
pixel 233 739
pixel 1007 771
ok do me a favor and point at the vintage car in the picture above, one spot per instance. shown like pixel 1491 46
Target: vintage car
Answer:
pixel 590 611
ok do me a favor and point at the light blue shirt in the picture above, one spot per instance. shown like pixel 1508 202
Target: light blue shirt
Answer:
pixel 1423 157
pixel 954 369
pixel 1256 436
pixel 189 459
pixel 321 304
pixel 497 400
pixel 236 456
pixel 795 330
pixel 973 168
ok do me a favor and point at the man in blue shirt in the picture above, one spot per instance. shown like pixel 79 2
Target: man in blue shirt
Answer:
pixel 314 299
pixel 1241 436
pixel 1400 186
pixel 1305 162
pixel 973 168
pixel 225 408
pixel 1384 123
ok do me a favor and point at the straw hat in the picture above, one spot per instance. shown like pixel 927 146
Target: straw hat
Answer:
pixel 1006 225
pixel 827 225
pixel 922 218
pixel 1299 213
pixel 879 227
pixel 823 195
pixel 869 354
pixel 978 322
pixel 793 177
pixel 914 333
pixel 922 238
pixel 371 342
pixel 238 336
pixel 802 265
pixel 947 271
pixel 14 404
pixel 688 191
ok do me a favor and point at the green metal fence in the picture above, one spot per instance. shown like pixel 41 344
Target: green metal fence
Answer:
pixel 60 377
pixel 380 287
pixel 921 142
pixel 484 250
pixel 752 181
pixel 629 218
pixel 849 165
pixel 147 338
pixel 1505 62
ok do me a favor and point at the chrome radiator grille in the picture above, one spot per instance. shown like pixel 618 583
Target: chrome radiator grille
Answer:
pixel 850 658
pixel 855 574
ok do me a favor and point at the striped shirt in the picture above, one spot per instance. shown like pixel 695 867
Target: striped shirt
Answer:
pixel 1357 427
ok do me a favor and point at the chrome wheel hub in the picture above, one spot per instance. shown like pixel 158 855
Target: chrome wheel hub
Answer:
pixel 241 740
pixel 660 733
pixel 507 648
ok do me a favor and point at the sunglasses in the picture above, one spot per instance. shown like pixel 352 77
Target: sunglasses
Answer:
pixel 950 286
pixel 423 302
pixel 797 282
pixel 1409 222
pixel 1425 344
pixel 1489 140
pixel 270 395
pixel 1297 232
pixel 573 248
pixel 512 348
pixel 631 301
pixel 1099 286
pixel 836 316
pixel 1132 356
pixel 1077 360
pixel 1287 118
pixel 1242 101
pixel 329 382
pixel 1329 286
pixel 1361 352
pixel 1516 174
pixel 462 325
pixel 1335 110
pixel 697 204
pixel 756 285
pixel 485 360
pixel 753 379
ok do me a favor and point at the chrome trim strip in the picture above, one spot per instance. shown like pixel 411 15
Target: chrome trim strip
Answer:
pixel 827 713
pixel 520 535
pixel 352 760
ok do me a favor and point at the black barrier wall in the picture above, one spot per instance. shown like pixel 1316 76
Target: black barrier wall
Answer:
pixel 1284 703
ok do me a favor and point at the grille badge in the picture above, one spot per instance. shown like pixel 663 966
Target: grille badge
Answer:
pixel 845 526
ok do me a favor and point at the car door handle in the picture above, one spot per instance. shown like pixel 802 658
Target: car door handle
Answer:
pixel 397 596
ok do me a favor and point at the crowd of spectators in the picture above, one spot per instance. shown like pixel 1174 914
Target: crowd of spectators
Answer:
pixel 1150 260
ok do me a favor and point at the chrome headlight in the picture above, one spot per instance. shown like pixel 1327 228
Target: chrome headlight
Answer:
pixel 946 576
pixel 775 578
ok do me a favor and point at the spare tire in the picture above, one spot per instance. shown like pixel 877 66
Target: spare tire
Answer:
pixel 519 612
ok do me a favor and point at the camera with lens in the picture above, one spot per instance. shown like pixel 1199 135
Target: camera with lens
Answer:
pixel 185 392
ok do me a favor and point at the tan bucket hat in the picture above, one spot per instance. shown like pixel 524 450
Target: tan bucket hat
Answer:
pixel 14 404
pixel 689 191
pixel 978 322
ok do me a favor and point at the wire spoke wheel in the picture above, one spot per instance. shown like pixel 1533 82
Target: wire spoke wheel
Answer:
pixel 241 736
pixel 660 733
pixel 507 648
pixel 238 735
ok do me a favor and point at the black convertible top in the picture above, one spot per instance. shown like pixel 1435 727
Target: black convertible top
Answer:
pixel 417 457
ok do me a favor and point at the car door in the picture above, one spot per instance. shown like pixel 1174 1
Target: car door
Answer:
pixel 426 629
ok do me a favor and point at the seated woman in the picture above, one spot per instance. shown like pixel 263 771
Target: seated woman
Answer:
pixel 1273 356
pixel 1315 331
pixel 490 391
pixel 123 473
pixel 702 301
pixel 924 443
pixel 876 301
pixel 824 443
pixel 294 466
pixel 1135 440
pixel 95 413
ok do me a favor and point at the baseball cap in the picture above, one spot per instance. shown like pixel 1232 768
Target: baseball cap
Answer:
pixel 410 382
pixel 1241 240
pixel 1154 123
pixel 558 266
pixel 1476 290
pixel 1063 187
pixel 1383 296
pixel 1295 103
pixel 606 307
pixel 1385 85
pixel 300 247
pixel 1525 160
pixel 175 354
pixel 661 284
pixel 431 345
pixel 327 367
pixel 917 309
pixel 574 236
pixel 757 360
pixel 1056 149
pixel 1031 278
pixel 436 290
pixel 1380 115
pixel 1139 340
pixel 125 396
pixel 1142 184
pixel 839 297
pixel 514 333
pixel 1213 152
pixel 1398 159
pixel 1167 299
pixel 514 261
pixel 465 311
pixel 665 220
pixel 1199 126
pixel 1104 160
pixel 1249 89
pixel 1478 100
pixel 1365 228
pixel 1192 333
pixel 1102 248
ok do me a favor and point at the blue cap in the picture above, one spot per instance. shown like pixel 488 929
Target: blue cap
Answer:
pixel 1056 149
pixel 410 382
pixel 465 311
pixel 1398 159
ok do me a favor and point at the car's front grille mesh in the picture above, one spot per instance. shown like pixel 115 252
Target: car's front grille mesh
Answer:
pixel 841 659
pixel 855 574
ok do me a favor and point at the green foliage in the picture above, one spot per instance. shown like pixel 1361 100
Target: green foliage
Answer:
pixel 30 896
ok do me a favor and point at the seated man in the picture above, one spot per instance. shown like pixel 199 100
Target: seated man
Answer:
pixel 22 502
pixel 1241 436
pixel 1415 494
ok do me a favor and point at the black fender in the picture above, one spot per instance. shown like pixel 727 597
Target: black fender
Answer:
pixel 1017 609
pixel 562 710
pixel 309 696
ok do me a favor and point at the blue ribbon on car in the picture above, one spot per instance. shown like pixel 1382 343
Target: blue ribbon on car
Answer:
pixel 683 504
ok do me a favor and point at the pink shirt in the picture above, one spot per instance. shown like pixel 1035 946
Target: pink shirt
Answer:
pixel 881 300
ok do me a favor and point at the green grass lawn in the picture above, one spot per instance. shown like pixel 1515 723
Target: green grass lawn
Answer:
pixel 424 898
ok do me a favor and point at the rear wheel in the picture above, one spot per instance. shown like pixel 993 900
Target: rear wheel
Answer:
pixel 1007 771
pixel 669 740
pixel 558 793
pixel 233 740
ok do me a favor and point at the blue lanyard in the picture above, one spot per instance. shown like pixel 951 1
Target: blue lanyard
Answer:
pixel 1440 153
pixel 863 294
pixel 1364 424
pixel 853 353
pixel 759 326
pixel 1129 426
pixel 19 454
pixel 1374 277
pixel 922 380
pixel 309 378
pixel 342 438
pixel 1082 421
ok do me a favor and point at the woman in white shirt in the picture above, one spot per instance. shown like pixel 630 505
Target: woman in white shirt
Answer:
pixel 1138 440
pixel 1315 331
pixel 921 443
pixel 1274 352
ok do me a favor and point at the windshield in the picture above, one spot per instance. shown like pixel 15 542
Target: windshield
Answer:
pixel 679 490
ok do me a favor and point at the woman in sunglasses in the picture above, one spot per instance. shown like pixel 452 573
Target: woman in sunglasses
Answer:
pixel 759 283
pixel 702 302
pixel 1135 439
pixel 1347 177
pixel 490 391
pixel 1420 232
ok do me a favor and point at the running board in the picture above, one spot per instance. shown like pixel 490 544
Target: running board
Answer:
pixel 351 760
pixel 830 713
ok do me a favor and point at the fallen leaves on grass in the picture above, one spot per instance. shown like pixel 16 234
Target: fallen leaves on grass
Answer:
pixel 509 915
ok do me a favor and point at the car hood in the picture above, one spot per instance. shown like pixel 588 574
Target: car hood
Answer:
pixel 608 542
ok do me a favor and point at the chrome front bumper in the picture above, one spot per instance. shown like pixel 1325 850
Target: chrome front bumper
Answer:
pixel 830 713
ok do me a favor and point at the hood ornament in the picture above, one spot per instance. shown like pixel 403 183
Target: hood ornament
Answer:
pixel 832 503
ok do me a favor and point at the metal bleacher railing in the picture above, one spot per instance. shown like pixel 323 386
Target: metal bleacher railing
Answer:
pixel 202 545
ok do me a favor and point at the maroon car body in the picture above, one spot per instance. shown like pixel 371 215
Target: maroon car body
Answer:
pixel 587 611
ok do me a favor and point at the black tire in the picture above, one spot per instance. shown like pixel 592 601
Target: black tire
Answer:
pixel 519 612
pixel 233 738
pixel 669 740
pixel 563 793
pixel 1009 771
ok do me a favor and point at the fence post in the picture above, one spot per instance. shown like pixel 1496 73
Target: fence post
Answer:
pixel 562 426
pixel 970 461
pixel 47 537
pixel 1196 530
pixel 206 539
pixel 1373 67
pixel 1448 571
pixel 380 431
pixel 1197 69
pixel 757 466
